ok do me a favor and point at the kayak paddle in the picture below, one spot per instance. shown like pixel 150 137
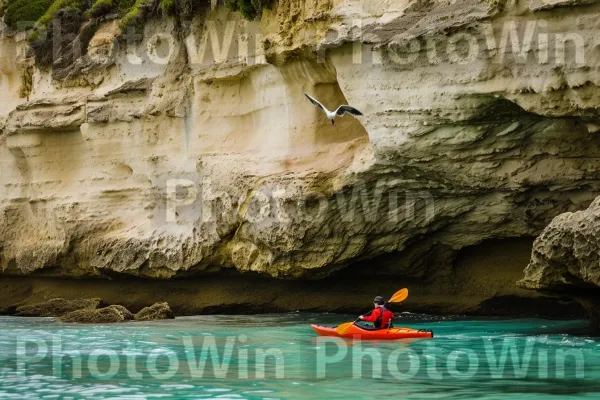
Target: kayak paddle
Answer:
pixel 397 297
pixel 343 328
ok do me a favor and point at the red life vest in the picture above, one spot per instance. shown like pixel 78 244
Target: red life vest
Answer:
pixel 381 317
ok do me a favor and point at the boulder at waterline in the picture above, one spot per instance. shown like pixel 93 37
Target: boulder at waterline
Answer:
pixel 114 313
pixel 154 312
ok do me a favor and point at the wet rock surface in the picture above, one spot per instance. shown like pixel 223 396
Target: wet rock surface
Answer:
pixel 57 307
pixel 110 314
pixel 155 312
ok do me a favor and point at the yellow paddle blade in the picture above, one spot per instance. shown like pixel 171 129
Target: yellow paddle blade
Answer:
pixel 399 296
pixel 343 328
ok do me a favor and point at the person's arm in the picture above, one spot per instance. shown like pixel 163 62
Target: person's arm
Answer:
pixel 373 317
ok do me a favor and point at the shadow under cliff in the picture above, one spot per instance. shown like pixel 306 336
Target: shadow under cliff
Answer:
pixel 480 281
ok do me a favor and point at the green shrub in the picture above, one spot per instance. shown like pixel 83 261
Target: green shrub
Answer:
pixel 33 36
pixel 185 9
pixel 27 12
pixel 124 6
pixel 23 13
pixel 101 7
pixel 58 5
pixel 247 9
pixel 250 9
pixel 136 14
pixel 168 6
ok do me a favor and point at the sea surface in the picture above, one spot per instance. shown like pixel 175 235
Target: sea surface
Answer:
pixel 278 356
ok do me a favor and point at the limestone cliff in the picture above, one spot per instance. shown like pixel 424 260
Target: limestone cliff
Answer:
pixel 190 149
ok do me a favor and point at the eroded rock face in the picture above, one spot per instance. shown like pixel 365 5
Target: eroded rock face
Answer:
pixel 155 312
pixel 566 260
pixel 57 307
pixel 160 160
pixel 566 256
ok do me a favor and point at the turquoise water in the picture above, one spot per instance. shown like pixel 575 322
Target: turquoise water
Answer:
pixel 278 356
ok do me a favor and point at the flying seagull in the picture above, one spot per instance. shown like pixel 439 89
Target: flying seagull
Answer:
pixel 332 114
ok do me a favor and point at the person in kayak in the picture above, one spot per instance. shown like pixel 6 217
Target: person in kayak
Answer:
pixel 381 317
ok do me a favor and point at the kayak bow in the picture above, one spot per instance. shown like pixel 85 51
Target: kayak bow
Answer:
pixel 357 332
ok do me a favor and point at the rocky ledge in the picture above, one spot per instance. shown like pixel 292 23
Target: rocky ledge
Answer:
pixel 92 311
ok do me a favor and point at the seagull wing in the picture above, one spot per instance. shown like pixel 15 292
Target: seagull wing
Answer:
pixel 316 103
pixel 347 109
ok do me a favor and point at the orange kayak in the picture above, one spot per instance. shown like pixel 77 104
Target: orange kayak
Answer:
pixel 356 332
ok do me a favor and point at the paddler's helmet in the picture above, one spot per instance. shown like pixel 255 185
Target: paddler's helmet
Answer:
pixel 379 300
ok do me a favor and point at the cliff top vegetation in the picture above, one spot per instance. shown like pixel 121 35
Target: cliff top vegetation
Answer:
pixel 25 14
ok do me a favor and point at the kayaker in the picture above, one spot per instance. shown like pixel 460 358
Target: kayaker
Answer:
pixel 381 317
